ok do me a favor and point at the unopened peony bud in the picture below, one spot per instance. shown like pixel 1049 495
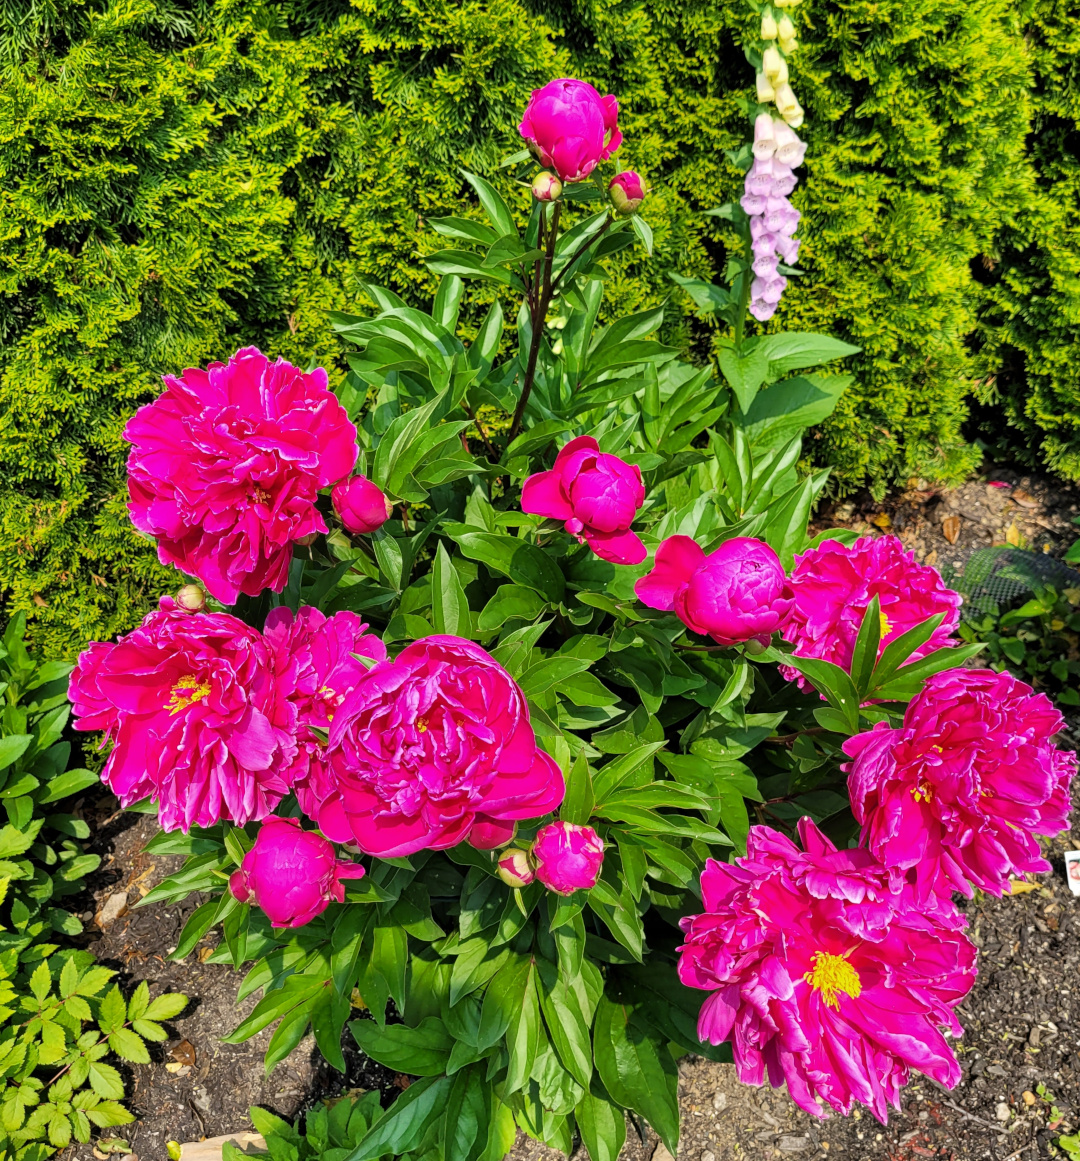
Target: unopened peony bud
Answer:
pixel 515 869
pixel 764 137
pixel 361 505
pixel 304 541
pixel 546 187
pixel 191 599
pixel 568 857
pixel 292 874
pixel 627 190
pixel 764 89
pixel 768 26
pixel 785 29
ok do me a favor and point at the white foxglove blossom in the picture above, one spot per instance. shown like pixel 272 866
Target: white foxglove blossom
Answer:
pixel 785 29
pixel 764 136
pixel 787 47
pixel 771 64
pixel 784 96
pixel 769 27
pixel 764 89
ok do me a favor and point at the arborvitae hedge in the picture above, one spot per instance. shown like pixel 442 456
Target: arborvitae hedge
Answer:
pixel 179 177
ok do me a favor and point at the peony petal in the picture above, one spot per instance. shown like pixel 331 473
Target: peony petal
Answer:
pixel 624 547
pixel 677 558
pixel 543 495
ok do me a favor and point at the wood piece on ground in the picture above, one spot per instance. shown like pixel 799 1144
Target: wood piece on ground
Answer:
pixel 250 1144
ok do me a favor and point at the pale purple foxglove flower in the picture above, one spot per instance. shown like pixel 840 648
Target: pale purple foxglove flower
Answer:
pixel 754 205
pixel 764 244
pixel 758 227
pixel 789 149
pixel 762 310
pixel 765 266
pixel 759 178
pixel 781 217
pixel 764 139
pixel 783 179
pixel 788 249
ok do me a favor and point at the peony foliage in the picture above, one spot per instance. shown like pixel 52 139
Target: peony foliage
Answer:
pixel 534 690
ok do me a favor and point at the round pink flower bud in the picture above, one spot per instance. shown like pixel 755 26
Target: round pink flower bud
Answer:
pixel 291 874
pixel 627 190
pixel 571 128
pixel 568 857
pixel 191 599
pixel 361 505
pixel 737 593
pixel 226 465
pixel 515 868
pixel 546 187
pixel 597 495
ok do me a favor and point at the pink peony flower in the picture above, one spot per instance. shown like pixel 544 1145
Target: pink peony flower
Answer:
pixel 516 869
pixel 627 190
pixel 432 748
pixel 956 795
pixel 360 505
pixel 291 874
pixel 200 723
pixel 571 128
pixel 737 593
pixel 597 495
pixel 568 857
pixel 225 466
pixel 834 583
pixel 316 658
pixel 823 974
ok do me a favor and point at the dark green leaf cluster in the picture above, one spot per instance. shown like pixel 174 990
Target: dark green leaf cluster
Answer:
pixel 330 1131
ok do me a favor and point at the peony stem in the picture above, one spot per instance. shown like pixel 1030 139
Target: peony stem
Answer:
pixel 539 314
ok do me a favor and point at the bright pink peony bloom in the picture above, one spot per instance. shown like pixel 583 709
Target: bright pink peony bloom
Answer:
pixel 360 505
pixel 515 868
pixel 292 874
pixel 200 723
pixel 834 583
pixel 568 857
pixel 314 657
pixel 225 467
pixel 432 748
pixel 823 974
pixel 737 593
pixel 597 495
pixel 627 190
pixel 571 128
pixel 956 795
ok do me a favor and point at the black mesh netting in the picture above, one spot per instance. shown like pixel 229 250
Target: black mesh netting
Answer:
pixel 993 579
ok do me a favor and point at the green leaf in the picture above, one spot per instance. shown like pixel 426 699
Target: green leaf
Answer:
pixel 577 804
pixel 793 351
pixel 602 1125
pixel 566 1023
pixel 113 1011
pixel 449 605
pixel 510 601
pixel 66 784
pixel 746 374
pixel 637 1069
pixel 503 999
pixel 494 206
pixel 41 981
pixel 129 1046
pixel 13 747
pixel 468 1115
pixel 707 298
pixel 864 656
pixel 523 1034
pixel 420 1051
pixel 106 1082
pixel 403 1126
pixel 834 683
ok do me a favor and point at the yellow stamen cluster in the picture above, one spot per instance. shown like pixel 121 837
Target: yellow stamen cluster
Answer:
pixel 886 625
pixel 187 691
pixel 833 974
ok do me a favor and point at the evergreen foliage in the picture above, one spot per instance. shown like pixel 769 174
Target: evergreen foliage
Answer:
pixel 180 177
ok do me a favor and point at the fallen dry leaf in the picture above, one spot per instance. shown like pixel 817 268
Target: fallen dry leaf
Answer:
pixel 1019 887
pixel 931 557
pixel 183 1053
pixel 950 528
pixel 1012 535
pixel 1024 499
pixel 178 1069
pixel 204 953
pixel 882 520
